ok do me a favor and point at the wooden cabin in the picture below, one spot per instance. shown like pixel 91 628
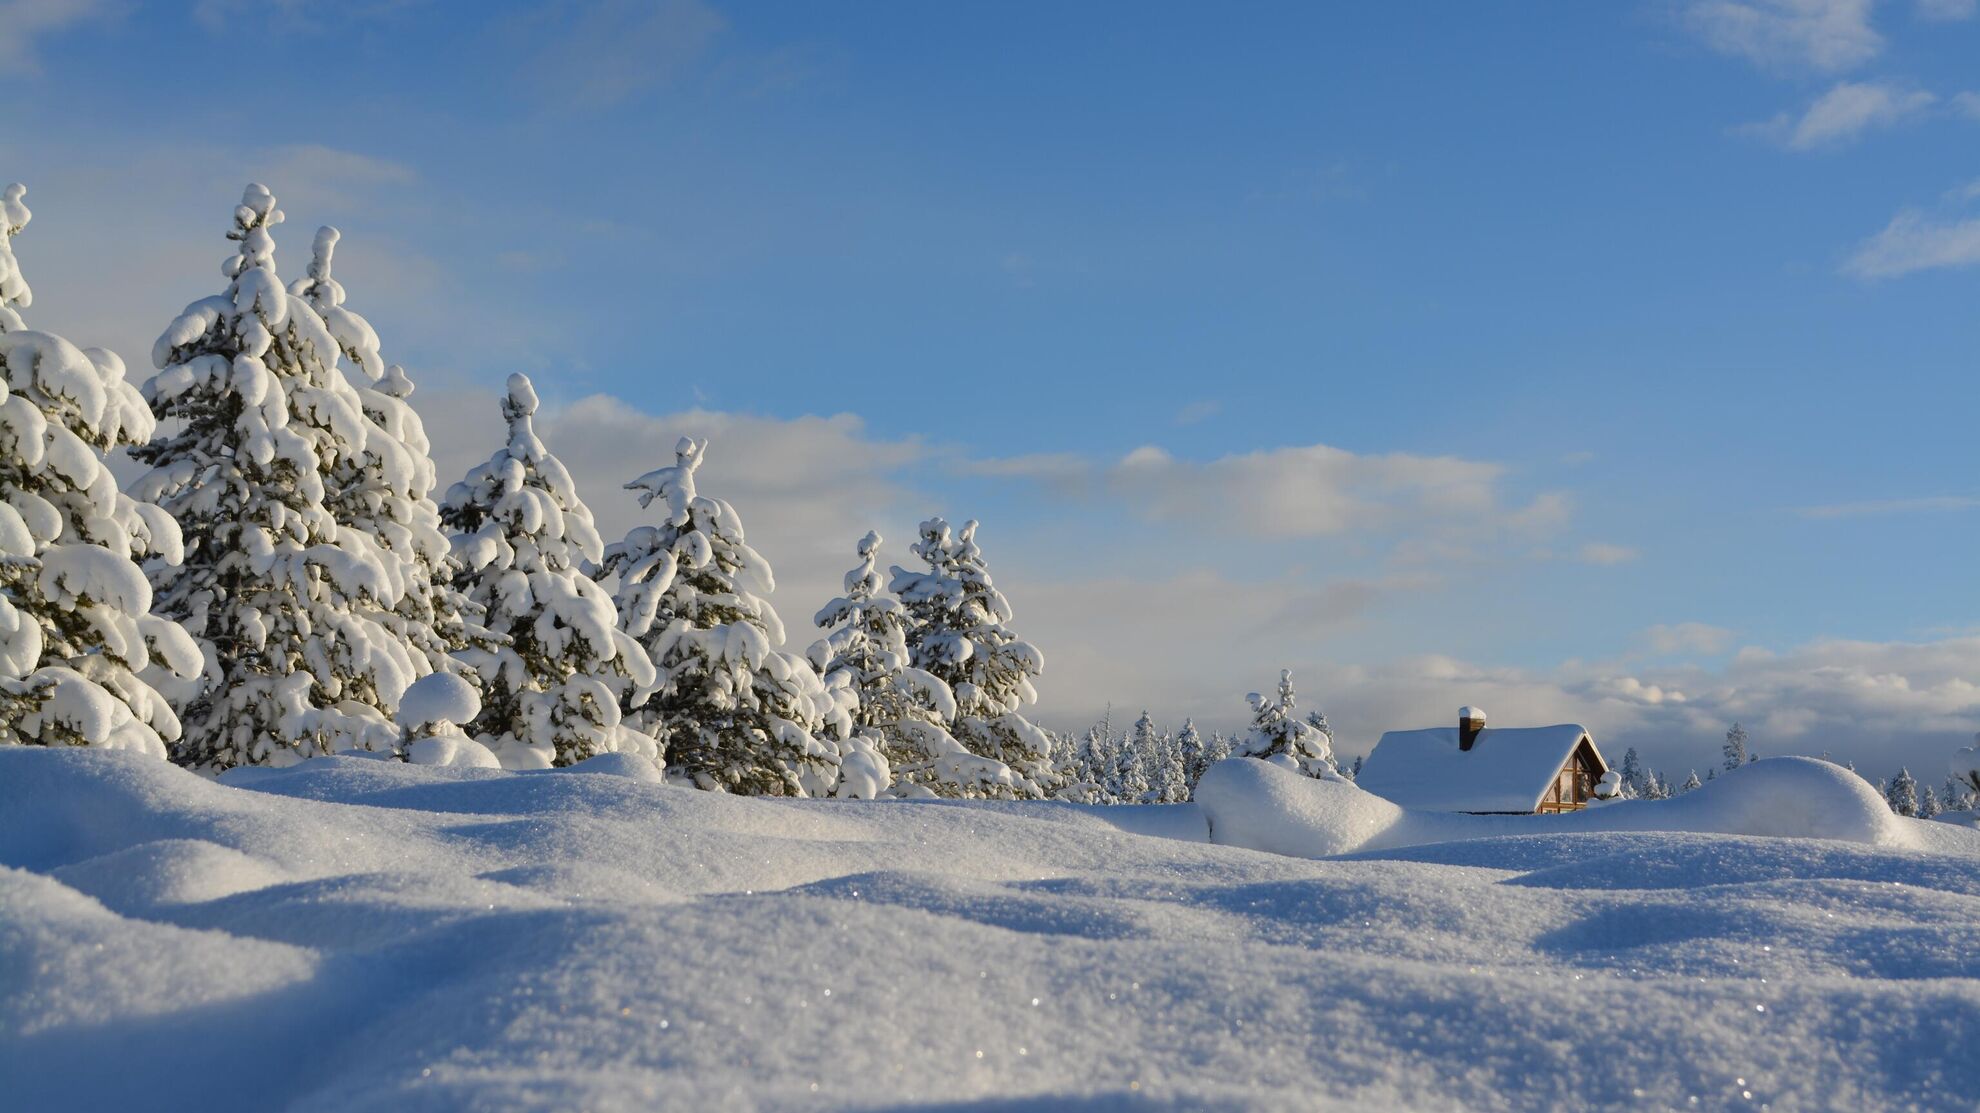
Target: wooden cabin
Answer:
pixel 1495 771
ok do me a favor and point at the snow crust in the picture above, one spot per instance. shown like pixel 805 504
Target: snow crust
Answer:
pixel 366 935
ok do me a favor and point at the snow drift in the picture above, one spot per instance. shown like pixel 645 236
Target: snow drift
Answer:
pixel 360 935
pixel 1262 807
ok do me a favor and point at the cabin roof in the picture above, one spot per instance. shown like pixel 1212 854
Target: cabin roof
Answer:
pixel 1508 769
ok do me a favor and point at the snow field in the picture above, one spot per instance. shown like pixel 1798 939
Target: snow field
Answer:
pixel 353 934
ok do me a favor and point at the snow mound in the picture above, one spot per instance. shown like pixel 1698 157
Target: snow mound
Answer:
pixel 358 935
pixel 435 699
pixel 1255 805
pixel 456 750
pixel 620 765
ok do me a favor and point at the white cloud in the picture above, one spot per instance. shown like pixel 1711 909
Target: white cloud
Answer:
pixel 23 21
pixel 1604 553
pixel 1201 410
pixel 1688 637
pixel 1825 35
pixel 1967 104
pixel 1947 11
pixel 1914 241
pixel 1844 113
pixel 599 54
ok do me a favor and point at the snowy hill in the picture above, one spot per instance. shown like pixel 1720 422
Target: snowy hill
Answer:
pixel 354 934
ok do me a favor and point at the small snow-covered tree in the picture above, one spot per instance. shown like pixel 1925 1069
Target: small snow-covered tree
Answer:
pixel 1964 768
pixel 1190 747
pixel 959 632
pixel 1691 783
pixel 904 708
pixel 1928 802
pixel 76 631
pixel 736 714
pixel 1655 787
pixel 1902 793
pixel 1279 736
pixel 281 600
pixel 1956 796
pixel 382 496
pixel 553 682
pixel 1735 749
pixel 1634 781
pixel 1139 762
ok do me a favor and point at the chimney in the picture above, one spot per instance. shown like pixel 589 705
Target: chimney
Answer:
pixel 1471 723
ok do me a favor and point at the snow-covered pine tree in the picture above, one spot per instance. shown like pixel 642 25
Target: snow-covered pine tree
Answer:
pixel 1902 793
pixel 1278 736
pixel 280 599
pixel 1964 768
pixel 383 496
pixel 1956 796
pixel 959 632
pixel 1090 772
pixel 1691 783
pixel 1735 749
pixel 1191 749
pixel 553 681
pixel 1354 771
pixel 76 630
pixel 1928 802
pixel 1655 787
pixel 1139 762
pixel 904 708
pixel 1634 783
pixel 735 713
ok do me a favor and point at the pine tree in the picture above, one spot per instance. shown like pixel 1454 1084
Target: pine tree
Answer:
pixel 76 630
pixel 1140 762
pixel 279 597
pixel 1691 783
pixel 1902 794
pixel 735 713
pixel 1928 803
pixel 1190 747
pixel 903 708
pixel 1965 768
pixel 383 496
pixel 1956 796
pixel 1280 737
pixel 553 682
pixel 1634 781
pixel 1655 787
pixel 1735 748
pixel 959 633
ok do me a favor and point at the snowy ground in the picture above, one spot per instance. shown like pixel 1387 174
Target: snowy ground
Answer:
pixel 363 935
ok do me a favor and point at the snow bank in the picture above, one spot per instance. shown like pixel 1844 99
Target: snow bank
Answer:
pixel 1247 803
pixel 364 935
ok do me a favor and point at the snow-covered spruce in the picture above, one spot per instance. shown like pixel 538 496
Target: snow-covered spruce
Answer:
pixel 383 496
pixel 281 600
pixel 558 667
pixel 76 630
pixel 905 708
pixel 734 712
pixel 1280 737
pixel 958 633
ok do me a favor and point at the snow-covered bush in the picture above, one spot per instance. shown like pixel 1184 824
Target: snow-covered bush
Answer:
pixel 559 667
pixel 382 496
pixel 1280 737
pixel 904 708
pixel 431 714
pixel 734 712
pixel 280 599
pixel 958 633
pixel 76 630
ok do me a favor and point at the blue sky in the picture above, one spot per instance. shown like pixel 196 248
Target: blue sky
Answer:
pixel 1444 353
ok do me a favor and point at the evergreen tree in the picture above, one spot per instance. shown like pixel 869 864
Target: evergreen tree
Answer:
pixel 1965 768
pixel 1956 796
pixel 1192 749
pixel 1928 803
pixel 383 496
pixel 1635 782
pixel 1354 771
pixel 553 681
pixel 1735 748
pixel 960 634
pixel 1140 763
pixel 281 600
pixel 1902 794
pixel 1691 783
pixel 735 713
pixel 1283 739
pixel 76 630
pixel 904 709
pixel 1655 787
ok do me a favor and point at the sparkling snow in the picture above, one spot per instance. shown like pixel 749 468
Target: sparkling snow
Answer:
pixel 358 934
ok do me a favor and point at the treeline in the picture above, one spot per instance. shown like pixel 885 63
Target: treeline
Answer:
pixel 282 583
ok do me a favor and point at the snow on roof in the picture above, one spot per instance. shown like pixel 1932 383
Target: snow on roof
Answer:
pixel 1507 770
